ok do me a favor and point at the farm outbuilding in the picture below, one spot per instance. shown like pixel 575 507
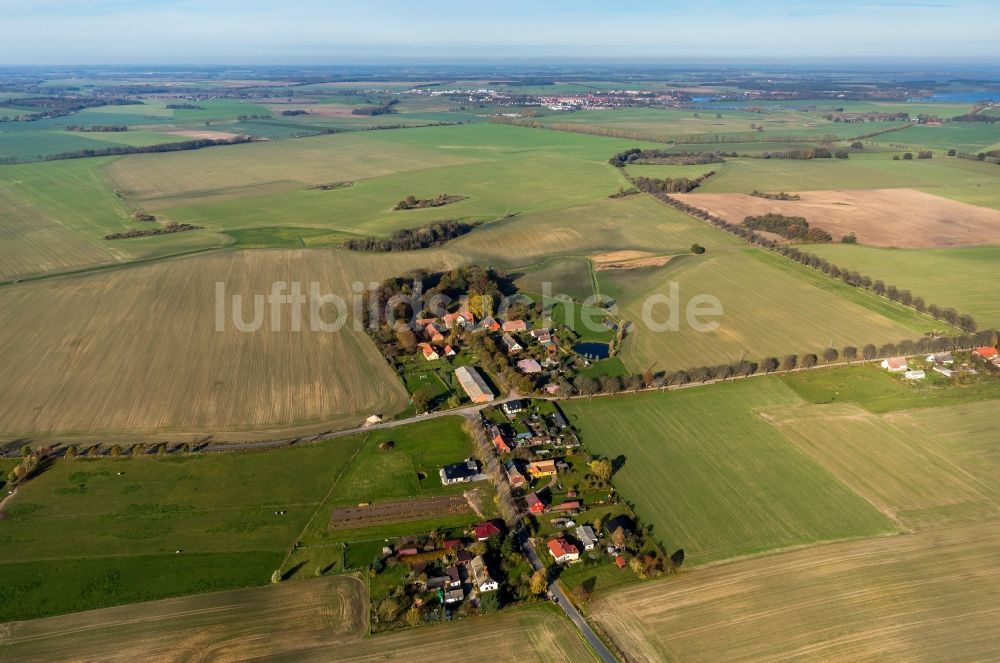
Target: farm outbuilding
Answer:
pixel 474 385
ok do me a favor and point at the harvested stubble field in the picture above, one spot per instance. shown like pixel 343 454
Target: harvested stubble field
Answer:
pixel 226 626
pixel 903 218
pixel 136 351
pixel 929 596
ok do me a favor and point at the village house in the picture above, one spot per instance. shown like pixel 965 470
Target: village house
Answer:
pixel 568 507
pixel 563 551
pixel 454 577
pixel 514 326
pixel 481 575
pixel 459 319
pixel 535 503
pixel 433 334
pixel 514 475
pixel 542 468
pixel 485 530
pixel 585 533
pixel 430 354
pixel 473 384
pixel 986 352
pixel 511 344
pixel 459 472
pixel 513 407
pixel 941 358
pixel 449 351
pixel 489 324
pixel 914 375
pixel 501 442
pixel 529 366
pixel 895 364
pixel 454 596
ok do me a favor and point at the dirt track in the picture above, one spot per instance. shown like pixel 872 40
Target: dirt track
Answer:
pixel 903 218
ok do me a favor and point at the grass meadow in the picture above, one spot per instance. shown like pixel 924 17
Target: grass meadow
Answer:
pixel 90 533
pixel 714 478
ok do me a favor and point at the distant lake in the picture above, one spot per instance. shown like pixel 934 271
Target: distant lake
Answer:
pixel 592 350
pixel 959 97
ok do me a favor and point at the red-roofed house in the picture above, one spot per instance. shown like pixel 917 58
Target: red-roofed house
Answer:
pixel 535 503
pixel 620 562
pixel 433 334
pixel 501 442
pixel 895 364
pixel 515 326
pixel 486 530
pixel 985 352
pixel 489 324
pixel 451 544
pixel 563 551
pixel 430 353
pixel 567 506
pixel 449 351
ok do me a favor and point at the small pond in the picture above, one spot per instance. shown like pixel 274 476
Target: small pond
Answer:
pixel 592 350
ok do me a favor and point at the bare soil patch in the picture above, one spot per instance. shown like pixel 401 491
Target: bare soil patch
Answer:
pixel 199 133
pixel 393 512
pixel 627 260
pixel 903 218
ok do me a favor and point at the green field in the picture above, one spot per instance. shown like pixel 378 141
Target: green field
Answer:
pixel 960 179
pixel 961 278
pixel 665 124
pixel 968 137
pixel 87 532
pixel 714 478
pixel 765 301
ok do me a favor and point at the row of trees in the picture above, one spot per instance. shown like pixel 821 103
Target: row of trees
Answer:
pixel 167 229
pixel 781 195
pixel 98 128
pixel 409 239
pixel 804 154
pixel 583 385
pixel 964 322
pixel 143 149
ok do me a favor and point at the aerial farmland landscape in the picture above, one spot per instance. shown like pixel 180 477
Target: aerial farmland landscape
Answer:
pixel 551 332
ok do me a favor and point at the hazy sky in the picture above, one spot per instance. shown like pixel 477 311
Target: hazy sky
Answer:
pixel 328 32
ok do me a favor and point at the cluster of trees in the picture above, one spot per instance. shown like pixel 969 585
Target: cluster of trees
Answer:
pixel 976 117
pixel 143 149
pixel 185 107
pixel 49 107
pixel 244 118
pixel 622 192
pixel 31 461
pixel 964 322
pixel 142 216
pixel 485 287
pixel 781 195
pixel 790 227
pixel 992 156
pixel 640 156
pixel 805 154
pixel 384 108
pixel 98 128
pixel 669 185
pixel 409 239
pixel 294 112
pixel 149 232
pixel 412 202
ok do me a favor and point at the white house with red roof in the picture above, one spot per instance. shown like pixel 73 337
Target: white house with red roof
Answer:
pixel 563 551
